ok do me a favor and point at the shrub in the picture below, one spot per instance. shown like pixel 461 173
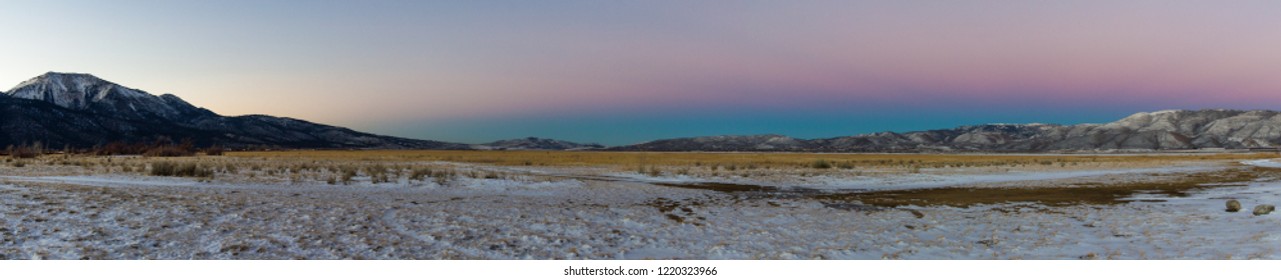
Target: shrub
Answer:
pixel 845 165
pixel 120 148
pixel 443 179
pixel 1264 209
pixel 230 168
pixel 214 151
pixel 377 174
pixel 186 169
pixel 168 151
pixel 24 151
pixel 419 173
pixel 1233 205
pixel 443 176
pixel 347 174
pixel 820 164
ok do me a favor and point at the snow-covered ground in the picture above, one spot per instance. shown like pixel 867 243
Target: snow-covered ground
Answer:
pixel 1263 163
pixel 140 217
pixel 921 180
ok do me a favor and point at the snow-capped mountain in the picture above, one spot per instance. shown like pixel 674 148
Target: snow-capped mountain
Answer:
pixel 535 143
pixel 1162 130
pixel 88 93
pixel 82 110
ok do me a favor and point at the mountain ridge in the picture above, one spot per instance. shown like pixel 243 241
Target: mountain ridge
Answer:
pixel 535 143
pixel 1159 130
pixel 82 110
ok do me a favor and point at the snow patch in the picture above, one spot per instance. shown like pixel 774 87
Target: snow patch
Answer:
pixel 917 181
pixel 1263 163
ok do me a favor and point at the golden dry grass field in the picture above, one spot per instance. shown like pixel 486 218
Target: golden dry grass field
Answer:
pixel 332 167
pixel 741 160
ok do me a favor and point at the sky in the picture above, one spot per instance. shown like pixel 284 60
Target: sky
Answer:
pixel 624 72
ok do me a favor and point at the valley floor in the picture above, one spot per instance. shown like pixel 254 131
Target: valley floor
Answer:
pixel 58 212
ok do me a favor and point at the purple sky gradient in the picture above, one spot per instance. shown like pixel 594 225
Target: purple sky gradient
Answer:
pixel 584 70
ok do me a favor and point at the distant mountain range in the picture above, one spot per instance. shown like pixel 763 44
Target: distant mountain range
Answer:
pixel 1162 130
pixel 80 110
pixel 534 143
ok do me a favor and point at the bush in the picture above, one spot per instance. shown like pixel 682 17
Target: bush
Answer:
pixel 186 169
pixel 168 151
pixel 377 174
pixel 821 164
pixel 214 151
pixel 347 174
pixel 24 151
pixel 1233 205
pixel 420 173
pixel 1264 209
pixel 120 148
pixel 845 165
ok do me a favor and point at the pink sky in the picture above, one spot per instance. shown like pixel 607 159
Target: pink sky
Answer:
pixel 369 64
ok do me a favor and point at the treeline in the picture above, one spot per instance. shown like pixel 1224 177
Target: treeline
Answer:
pixel 162 147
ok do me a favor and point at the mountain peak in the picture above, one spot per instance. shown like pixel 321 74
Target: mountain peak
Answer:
pixel 64 80
pixel 86 92
pixel 55 74
pixel 71 90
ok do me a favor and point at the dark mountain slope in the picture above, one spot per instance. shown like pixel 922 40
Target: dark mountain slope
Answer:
pixel 81 110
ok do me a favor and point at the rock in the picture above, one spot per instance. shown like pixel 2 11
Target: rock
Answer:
pixel 1233 205
pixel 1263 209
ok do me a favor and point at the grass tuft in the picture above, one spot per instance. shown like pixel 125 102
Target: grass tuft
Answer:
pixel 186 169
